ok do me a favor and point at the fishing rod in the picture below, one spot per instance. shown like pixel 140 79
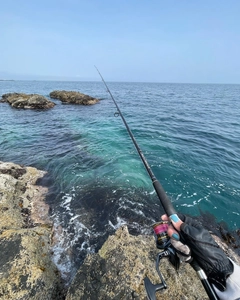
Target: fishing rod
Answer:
pixel 160 228
pixel 165 201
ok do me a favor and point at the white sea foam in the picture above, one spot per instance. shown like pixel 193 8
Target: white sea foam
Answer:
pixel 152 192
pixel 139 212
pixel 120 222
pixel 66 237
pixel 66 201
pixel 178 196
pixel 187 205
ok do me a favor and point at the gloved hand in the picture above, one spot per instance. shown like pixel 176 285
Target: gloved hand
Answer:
pixel 204 249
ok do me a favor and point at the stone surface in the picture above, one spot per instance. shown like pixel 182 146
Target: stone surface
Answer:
pixel 118 269
pixel 73 97
pixel 27 101
pixel 230 253
pixel 26 269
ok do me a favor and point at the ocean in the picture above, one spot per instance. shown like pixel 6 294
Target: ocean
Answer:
pixel 189 134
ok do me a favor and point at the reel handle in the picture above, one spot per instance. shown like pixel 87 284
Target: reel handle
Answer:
pixel 151 288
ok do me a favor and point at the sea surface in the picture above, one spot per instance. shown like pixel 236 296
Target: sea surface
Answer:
pixel 189 134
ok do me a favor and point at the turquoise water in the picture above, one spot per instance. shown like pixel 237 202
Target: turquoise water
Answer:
pixel 189 134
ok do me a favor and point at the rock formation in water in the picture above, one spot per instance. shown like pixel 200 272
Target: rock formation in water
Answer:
pixel 73 97
pixel 26 269
pixel 27 101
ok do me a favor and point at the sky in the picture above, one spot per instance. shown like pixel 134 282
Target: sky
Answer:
pixel 180 41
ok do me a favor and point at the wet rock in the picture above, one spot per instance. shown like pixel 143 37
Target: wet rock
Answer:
pixel 117 271
pixel 26 269
pixel 73 97
pixel 27 101
pixel 227 249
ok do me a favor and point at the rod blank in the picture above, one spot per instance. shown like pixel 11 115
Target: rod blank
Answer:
pixel 165 201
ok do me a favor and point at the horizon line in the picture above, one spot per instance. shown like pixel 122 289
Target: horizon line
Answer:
pixel 114 81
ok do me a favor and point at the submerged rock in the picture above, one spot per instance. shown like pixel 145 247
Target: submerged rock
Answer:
pixel 73 97
pixel 26 269
pixel 117 271
pixel 27 101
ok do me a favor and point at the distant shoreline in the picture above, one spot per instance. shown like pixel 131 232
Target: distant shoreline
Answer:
pixel 127 82
pixel 7 80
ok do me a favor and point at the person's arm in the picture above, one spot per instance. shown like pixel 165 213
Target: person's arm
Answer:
pixel 232 291
pixel 222 273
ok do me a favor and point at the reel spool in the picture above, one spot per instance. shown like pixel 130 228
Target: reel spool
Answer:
pixel 160 230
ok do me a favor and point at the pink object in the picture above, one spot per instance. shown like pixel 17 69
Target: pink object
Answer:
pixel 160 228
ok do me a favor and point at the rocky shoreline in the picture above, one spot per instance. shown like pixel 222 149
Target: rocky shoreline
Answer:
pixel 115 272
pixel 26 269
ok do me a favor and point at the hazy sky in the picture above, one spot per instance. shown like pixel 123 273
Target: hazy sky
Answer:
pixel 128 40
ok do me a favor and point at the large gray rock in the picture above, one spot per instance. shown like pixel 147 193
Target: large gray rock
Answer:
pixel 73 97
pixel 26 269
pixel 27 101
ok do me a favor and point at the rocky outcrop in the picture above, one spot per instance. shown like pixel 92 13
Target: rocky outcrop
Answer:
pixel 26 269
pixel 118 270
pixel 27 101
pixel 73 97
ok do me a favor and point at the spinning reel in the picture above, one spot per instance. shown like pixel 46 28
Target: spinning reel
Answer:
pixel 162 242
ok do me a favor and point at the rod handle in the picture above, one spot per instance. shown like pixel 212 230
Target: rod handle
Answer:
pixel 165 201
pixel 202 276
